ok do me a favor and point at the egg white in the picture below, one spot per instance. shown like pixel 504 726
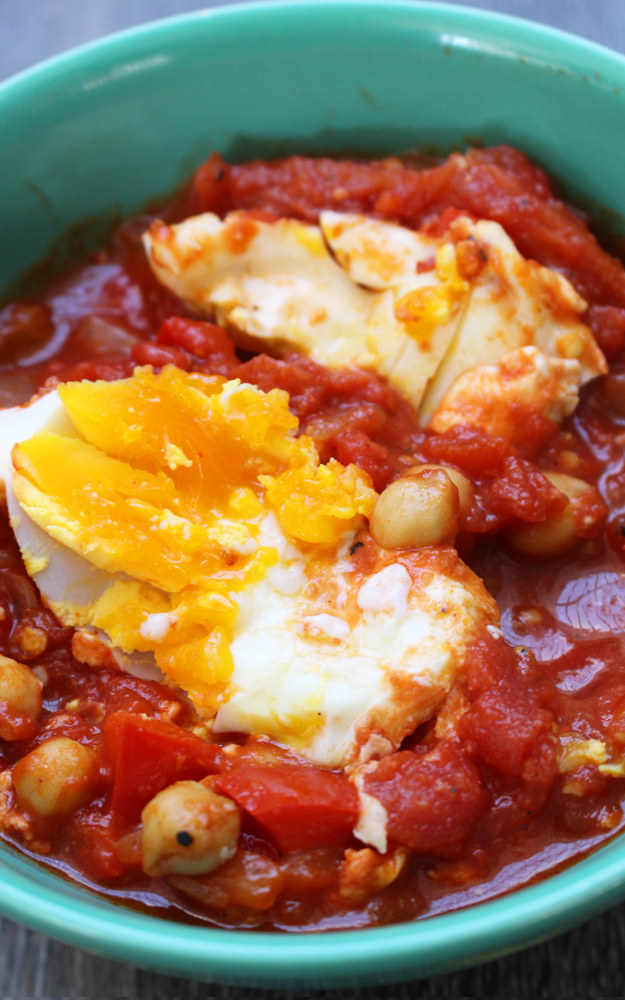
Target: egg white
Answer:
pixel 284 287
pixel 338 666
pixel 362 681
pixel 333 292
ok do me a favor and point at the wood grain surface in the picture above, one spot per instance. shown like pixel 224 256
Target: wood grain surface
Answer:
pixel 586 962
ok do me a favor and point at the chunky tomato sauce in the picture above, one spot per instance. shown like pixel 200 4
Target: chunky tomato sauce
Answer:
pixel 482 798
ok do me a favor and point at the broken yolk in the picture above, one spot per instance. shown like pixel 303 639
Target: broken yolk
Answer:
pixel 425 309
pixel 164 487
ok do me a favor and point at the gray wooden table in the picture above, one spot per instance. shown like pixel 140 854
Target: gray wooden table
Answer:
pixel 587 962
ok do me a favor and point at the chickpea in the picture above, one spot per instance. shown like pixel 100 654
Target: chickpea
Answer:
pixel 188 829
pixel 56 777
pixel 559 533
pixel 364 872
pixel 20 693
pixel 419 509
pixel 460 481
pixel 32 641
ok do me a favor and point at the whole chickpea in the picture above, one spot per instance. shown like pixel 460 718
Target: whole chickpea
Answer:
pixel 188 829
pixel 20 693
pixel 462 483
pixel 420 509
pixel 56 777
pixel 559 533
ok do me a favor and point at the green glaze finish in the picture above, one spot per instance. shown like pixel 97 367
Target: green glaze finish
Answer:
pixel 111 125
pixel 105 129
pixel 38 898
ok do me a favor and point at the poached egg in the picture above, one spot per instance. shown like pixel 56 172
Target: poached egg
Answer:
pixel 179 517
pixel 423 311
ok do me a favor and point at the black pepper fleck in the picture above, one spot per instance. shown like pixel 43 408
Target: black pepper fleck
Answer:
pixel 184 838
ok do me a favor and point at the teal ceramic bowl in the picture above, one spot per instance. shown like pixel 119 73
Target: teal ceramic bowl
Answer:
pixel 101 131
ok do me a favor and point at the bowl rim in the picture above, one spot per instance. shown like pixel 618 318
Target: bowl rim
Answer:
pixel 378 954
pixel 391 953
pixel 532 36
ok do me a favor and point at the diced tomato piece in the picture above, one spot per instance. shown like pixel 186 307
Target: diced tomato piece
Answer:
pixel 299 807
pixel 472 449
pixel 159 355
pixel 522 492
pixel 307 383
pixel 505 723
pixel 373 458
pixel 146 755
pixel 201 339
pixel 488 659
pixel 432 800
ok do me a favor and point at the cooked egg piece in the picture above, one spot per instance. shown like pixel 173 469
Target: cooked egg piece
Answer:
pixel 20 422
pixel 379 255
pixel 339 656
pixel 348 665
pixel 70 585
pixel 155 535
pixel 421 311
pixel 522 398
pixel 277 283
pixel 515 303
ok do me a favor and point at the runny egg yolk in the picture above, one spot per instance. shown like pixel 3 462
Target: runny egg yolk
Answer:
pixel 163 486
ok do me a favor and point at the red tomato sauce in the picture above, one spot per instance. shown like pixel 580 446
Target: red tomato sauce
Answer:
pixel 474 809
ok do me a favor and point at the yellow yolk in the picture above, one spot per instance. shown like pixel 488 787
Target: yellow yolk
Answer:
pixel 316 503
pixel 426 308
pixel 166 479
pixel 181 518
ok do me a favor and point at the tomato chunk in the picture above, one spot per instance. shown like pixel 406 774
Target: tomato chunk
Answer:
pixel 200 339
pixel 299 807
pixel 432 800
pixel 524 493
pixel 505 723
pixel 147 755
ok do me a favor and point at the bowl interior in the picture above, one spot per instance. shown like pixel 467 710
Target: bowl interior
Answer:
pixel 98 133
